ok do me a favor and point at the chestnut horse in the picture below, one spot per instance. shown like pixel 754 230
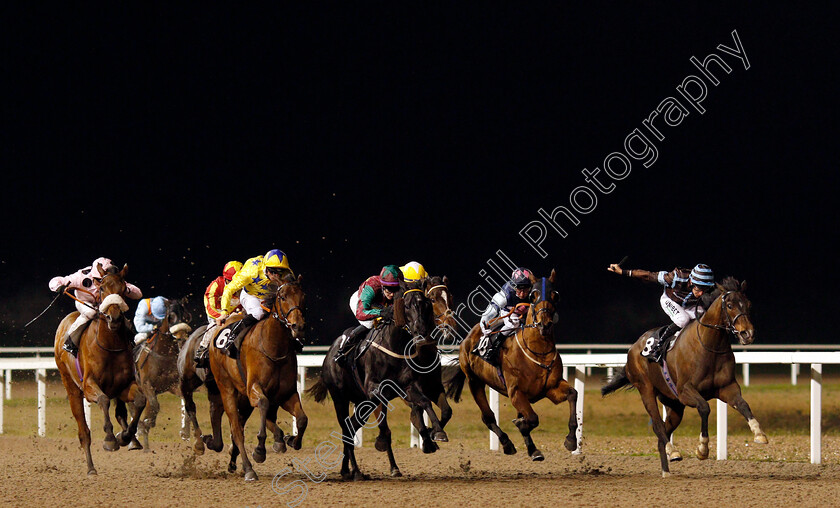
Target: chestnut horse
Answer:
pixel 191 379
pixel 385 362
pixel 105 367
pixel 699 367
pixel 530 370
pixel 156 360
pixel 264 376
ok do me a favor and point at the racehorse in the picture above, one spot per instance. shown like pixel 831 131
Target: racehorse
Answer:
pixel 263 376
pixel 701 366
pixel 156 361
pixel 104 369
pixel 427 362
pixel 530 370
pixel 382 361
pixel 190 379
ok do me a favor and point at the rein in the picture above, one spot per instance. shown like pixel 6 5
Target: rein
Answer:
pixel 729 328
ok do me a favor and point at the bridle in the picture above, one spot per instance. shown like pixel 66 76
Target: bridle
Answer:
pixel 283 316
pixel 730 325
pixel 447 312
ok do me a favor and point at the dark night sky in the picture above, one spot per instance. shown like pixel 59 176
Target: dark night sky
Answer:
pixel 174 139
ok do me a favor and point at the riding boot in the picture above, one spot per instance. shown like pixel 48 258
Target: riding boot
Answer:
pixel 346 346
pixel 201 358
pixel 71 341
pixel 493 346
pixel 238 331
pixel 654 345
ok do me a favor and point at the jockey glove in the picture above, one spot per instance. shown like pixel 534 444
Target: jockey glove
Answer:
pixel 387 313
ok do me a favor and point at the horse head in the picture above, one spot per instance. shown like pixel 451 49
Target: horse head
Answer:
pixel 176 322
pixel 112 287
pixel 735 309
pixel 416 309
pixel 437 291
pixel 289 305
pixel 544 301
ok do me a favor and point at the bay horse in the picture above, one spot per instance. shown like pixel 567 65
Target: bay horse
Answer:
pixel 382 361
pixel 156 360
pixel 264 376
pixel 104 369
pixel 530 369
pixel 191 379
pixel 699 367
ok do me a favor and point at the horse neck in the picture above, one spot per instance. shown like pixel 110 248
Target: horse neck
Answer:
pixel 710 337
pixel 277 337
pixel 98 333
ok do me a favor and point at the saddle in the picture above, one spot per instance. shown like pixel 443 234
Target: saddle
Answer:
pixel 671 342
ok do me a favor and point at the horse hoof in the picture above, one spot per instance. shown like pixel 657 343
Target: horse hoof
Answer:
pixel 570 444
pixel 111 446
pixel 509 448
pixel 231 468
pixel 258 455
pixel 537 456
pixel 441 436
pixel 761 439
pixel 395 473
pixel 358 475
pixel 381 445
pixel 675 457
pixel 665 474
pixel 199 450
pixel 135 445
pixel 250 476
pixel 92 472
pixel 702 453
pixel 430 446
pixel 279 447
pixel 291 441
pixel 346 476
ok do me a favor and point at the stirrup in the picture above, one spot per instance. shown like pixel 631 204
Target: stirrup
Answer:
pixel 231 351
pixel 70 348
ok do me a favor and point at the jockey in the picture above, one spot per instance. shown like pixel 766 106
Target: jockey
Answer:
pixel 213 306
pixel 373 300
pixel 413 272
pixel 148 316
pixel 681 300
pixel 512 300
pixel 258 281
pixel 86 283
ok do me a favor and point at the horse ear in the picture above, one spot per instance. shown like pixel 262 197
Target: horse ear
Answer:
pixel 124 270
pixel 743 286
pixel 300 278
pixel 532 278
pixel 720 288
pixel 445 280
pixel 553 277
pixel 399 312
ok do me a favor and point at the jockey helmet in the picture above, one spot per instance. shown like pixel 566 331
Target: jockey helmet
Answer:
pixel 105 262
pixel 521 278
pixel 702 275
pixel 413 272
pixel 158 307
pixel 231 267
pixel 390 276
pixel 275 258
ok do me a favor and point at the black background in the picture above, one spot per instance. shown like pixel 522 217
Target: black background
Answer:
pixel 177 138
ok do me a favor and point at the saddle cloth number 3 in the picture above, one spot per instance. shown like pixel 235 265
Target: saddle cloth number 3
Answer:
pixel 222 339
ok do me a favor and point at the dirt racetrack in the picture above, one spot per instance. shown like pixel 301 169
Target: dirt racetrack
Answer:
pixel 618 466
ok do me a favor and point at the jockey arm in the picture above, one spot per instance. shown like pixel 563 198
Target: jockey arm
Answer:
pixel 144 322
pixel 661 277
pixel 493 310
pixel 366 310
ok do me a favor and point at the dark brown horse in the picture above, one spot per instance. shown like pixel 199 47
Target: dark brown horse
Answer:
pixel 379 373
pixel 701 366
pixel 191 379
pixel 427 362
pixel 264 376
pixel 156 360
pixel 105 367
pixel 530 370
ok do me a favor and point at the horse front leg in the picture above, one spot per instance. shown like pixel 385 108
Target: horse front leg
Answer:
pixel 564 392
pixel 276 431
pixel 94 394
pixel 293 406
pixel 189 408
pixel 230 402
pixel 258 399
pixel 691 397
pixel 732 395
pixel 215 441
pixel 145 425
pixel 416 397
pixel 487 415
pixel 648 394
pixel 526 422
pixel 672 421
pixel 416 417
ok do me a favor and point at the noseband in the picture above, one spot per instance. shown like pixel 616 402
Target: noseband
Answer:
pixel 282 316
pixel 730 325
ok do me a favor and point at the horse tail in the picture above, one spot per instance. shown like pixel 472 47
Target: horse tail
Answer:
pixel 318 391
pixel 616 382
pixel 454 379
